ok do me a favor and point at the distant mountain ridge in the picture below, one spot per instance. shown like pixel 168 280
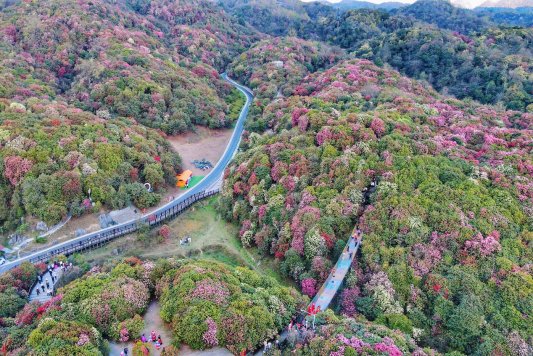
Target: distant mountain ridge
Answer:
pixel 513 4
pixel 357 4
pixel 445 15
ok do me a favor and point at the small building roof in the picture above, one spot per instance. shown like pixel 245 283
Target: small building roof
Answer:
pixel 185 175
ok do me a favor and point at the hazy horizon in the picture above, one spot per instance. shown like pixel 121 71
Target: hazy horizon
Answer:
pixel 463 3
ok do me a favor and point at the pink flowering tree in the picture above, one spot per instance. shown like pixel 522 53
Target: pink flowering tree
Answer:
pixel 309 287
pixel 484 246
pixel 378 126
pixel 15 168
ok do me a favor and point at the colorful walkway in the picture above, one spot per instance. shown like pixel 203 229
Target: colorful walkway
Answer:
pixel 332 284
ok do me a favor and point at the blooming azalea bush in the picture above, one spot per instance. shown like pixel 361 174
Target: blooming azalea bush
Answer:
pixel 54 337
pixel 336 336
pixel 210 304
pixel 14 288
pixel 110 301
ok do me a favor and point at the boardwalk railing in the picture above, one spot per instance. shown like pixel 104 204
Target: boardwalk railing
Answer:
pixel 112 233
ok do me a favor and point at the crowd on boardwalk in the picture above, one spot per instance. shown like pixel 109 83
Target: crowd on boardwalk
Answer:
pixel 44 288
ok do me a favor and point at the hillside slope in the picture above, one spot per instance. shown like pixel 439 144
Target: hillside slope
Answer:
pixel 81 82
pixel 103 58
pixel 443 14
pixel 446 235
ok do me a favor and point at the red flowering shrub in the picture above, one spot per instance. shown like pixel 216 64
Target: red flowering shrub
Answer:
pixel 15 167
pixel 164 231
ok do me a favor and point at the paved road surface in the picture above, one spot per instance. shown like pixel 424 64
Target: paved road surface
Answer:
pixel 211 181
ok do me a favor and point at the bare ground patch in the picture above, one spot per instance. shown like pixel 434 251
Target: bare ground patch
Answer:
pixel 203 143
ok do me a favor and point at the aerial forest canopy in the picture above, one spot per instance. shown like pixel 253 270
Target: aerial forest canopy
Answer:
pixel 429 104
pixel 447 233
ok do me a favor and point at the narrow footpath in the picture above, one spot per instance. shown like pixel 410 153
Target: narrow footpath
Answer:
pixel 331 285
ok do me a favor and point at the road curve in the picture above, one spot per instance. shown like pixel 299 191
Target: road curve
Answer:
pixel 160 213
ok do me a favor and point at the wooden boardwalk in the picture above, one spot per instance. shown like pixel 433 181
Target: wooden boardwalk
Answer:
pixel 332 284
pixel 43 294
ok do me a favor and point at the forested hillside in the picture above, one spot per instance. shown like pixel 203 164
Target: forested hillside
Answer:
pixel 273 68
pixel 493 66
pixel 447 245
pixel 431 103
pixel 443 14
pixel 457 51
pixel 522 16
pixel 78 79
pixel 113 62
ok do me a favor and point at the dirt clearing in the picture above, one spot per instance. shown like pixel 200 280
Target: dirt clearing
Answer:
pixel 203 143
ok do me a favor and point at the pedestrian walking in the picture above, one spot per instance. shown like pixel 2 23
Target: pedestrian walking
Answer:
pixel 277 344
pixel 48 284
pixel 125 351
pixel 38 291
pixel 143 338
pixel 42 286
pixel 265 348
pixel 153 337
pixel 159 340
pixel 351 255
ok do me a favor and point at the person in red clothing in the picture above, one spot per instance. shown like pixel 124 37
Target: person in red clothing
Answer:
pixel 152 336
pixel 159 340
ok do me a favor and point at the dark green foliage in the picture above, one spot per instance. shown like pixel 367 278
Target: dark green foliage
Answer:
pixel 10 302
pixel 209 304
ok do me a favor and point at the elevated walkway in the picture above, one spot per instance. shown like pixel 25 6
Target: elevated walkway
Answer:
pixel 43 295
pixel 332 284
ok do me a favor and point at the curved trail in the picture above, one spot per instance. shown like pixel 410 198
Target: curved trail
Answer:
pixel 206 187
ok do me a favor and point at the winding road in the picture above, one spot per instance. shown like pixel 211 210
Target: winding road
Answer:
pixel 207 186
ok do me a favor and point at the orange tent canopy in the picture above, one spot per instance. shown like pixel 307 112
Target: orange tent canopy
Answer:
pixel 183 178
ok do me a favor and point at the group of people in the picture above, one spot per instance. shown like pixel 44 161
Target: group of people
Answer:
pixel 44 286
pixel 156 340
